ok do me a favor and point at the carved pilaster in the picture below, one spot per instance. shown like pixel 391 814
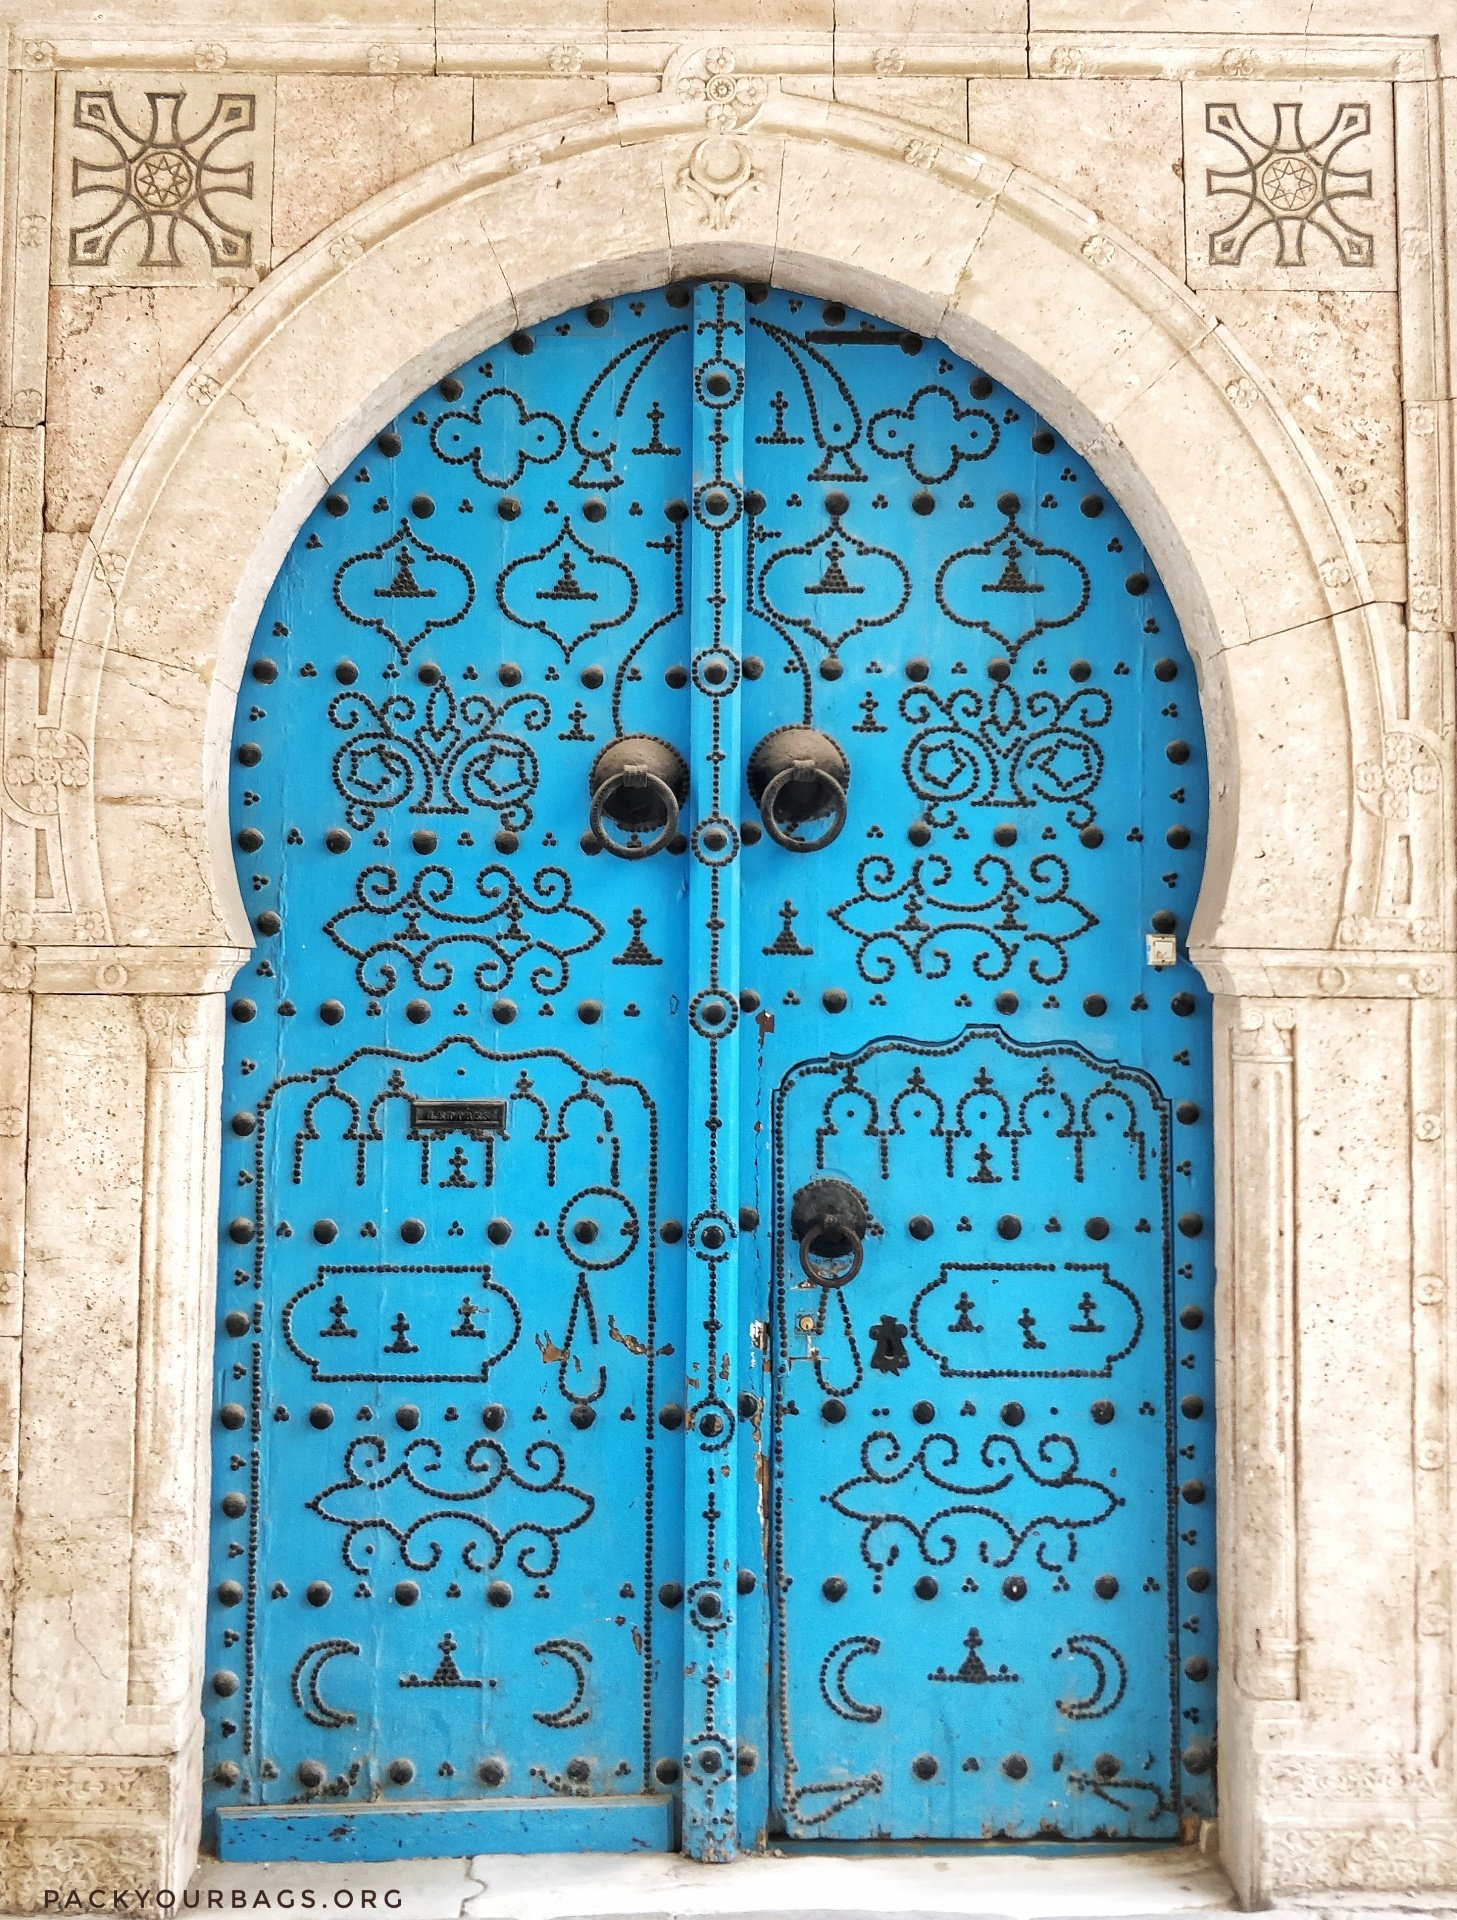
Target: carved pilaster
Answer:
pixel 1433 1069
pixel 1258 1278
pixel 172 1309
pixel 14 1093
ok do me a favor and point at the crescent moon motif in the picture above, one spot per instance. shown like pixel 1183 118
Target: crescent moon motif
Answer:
pixel 315 1710
pixel 833 1669
pixel 1094 1707
pixel 578 1658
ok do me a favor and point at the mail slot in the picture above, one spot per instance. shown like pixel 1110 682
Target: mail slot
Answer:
pixel 481 1119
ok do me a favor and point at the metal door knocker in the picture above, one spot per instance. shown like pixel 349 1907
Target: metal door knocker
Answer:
pixel 798 775
pixel 638 783
pixel 830 1219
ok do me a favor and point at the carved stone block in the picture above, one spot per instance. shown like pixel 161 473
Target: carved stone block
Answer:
pixel 1290 185
pixel 162 180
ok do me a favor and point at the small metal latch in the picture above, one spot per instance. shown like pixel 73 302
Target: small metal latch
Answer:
pixel 1163 950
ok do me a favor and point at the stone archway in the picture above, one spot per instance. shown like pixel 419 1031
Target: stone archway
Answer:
pixel 1269 588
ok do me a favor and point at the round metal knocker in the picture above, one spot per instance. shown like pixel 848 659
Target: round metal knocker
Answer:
pixel 829 1220
pixel 639 783
pixel 798 775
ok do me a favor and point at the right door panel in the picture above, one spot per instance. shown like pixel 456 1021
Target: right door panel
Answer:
pixel 981 1114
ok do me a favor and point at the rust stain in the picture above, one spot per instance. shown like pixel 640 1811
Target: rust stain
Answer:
pixel 550 1352
pixel 631 1341
pixel 764 1021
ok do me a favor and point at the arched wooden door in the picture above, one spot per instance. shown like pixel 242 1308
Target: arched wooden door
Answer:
pixel 716 1226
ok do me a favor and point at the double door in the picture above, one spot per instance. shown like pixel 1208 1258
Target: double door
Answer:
pixel 715 1236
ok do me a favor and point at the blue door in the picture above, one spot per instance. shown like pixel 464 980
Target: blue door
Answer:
pixel 716 1231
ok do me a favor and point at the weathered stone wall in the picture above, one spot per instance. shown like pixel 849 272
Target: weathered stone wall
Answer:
pixel 1207 238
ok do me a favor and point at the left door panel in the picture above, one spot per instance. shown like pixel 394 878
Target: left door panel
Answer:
pixel 449 1279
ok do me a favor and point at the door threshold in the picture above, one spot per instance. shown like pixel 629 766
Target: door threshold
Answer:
pixel 1073 1884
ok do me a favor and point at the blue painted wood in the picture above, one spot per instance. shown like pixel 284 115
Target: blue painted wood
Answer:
pixel 444 1503
pixel 442 1830
pixel 992 1449
pixel 711 1360
pixel 549 1479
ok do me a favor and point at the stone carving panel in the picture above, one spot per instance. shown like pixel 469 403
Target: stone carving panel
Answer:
pixel 1289 185
pixel 163 180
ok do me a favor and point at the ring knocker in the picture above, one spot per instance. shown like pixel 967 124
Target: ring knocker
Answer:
pixel 830 1219
pixel 639 783
pixel 797 775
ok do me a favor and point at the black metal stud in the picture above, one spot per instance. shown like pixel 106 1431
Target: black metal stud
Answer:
pixel 493 1417
pixel 670 1415
pixel 321 1415
pixel 925 1766
pixel 401 1772
pixel 407 1592
pixel 834 1588
pixel 491 1773
pixel 1009 1226
pixel 670 1594
pixel 1014 1587
pixel 832 1412
pixel 318 1593
pixel 1106 1586
pixel 1015 1767
pixel 498 1593
pixel 1102 1412
pixel 927 1587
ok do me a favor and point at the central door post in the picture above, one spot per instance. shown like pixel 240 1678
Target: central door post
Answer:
pixel 715 599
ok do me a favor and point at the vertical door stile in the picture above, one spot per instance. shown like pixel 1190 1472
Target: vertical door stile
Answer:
pixel 710 1493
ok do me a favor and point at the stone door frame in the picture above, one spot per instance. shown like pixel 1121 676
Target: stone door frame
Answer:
pixel 122 977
